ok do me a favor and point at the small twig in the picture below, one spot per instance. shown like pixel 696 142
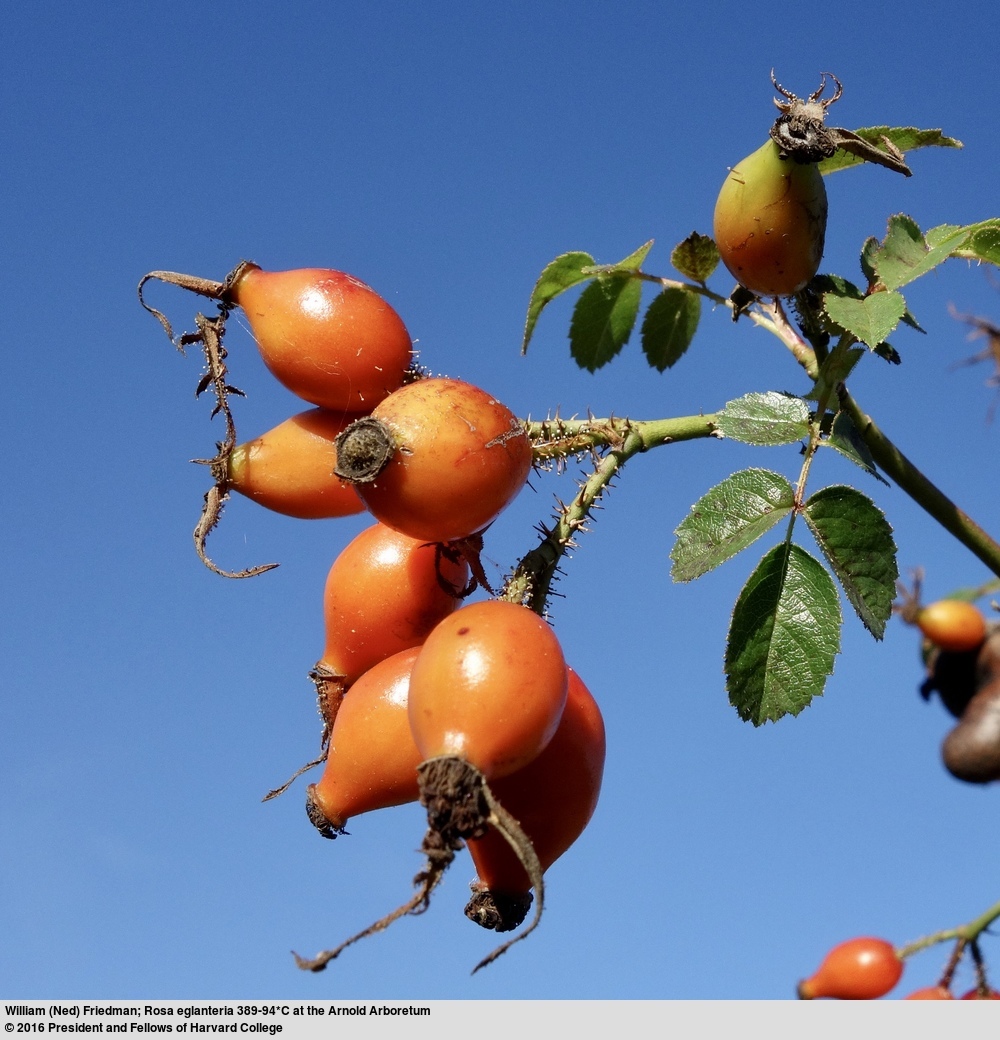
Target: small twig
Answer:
pixel 967 932
pixel 420 901
pixel 291 780
pixel 215 500
pixel 209 334
pixel 953 961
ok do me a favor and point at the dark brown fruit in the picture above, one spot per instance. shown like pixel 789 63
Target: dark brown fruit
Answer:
pixel 971 751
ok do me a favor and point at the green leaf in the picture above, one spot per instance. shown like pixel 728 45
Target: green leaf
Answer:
pixel 633 262
pixel 696 257
pixel 856 540
pixel 834 283
pixel 603 319
pixel 563 273
pixel 845 438
pixel 905 138
pixel 984 244
pixel 783 637
pixel 870 319
pixel 765 419
pixel 669 326
pixel 728 518
pixel 868 252
pixel 906 254
pixel 941 233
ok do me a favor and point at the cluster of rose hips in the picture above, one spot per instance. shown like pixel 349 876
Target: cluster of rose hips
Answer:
pixel 962 657
pixel 962 653
pixel 468 707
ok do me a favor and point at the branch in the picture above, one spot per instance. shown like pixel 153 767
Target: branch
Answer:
pixel 967 933
pixel 919 488
pixel 556 438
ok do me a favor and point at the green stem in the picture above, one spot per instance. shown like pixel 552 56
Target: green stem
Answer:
pixel 897 466
pixel 966 932
pixel 531 581
pixel 558 438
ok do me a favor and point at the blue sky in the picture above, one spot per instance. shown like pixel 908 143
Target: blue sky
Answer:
pixel 444 153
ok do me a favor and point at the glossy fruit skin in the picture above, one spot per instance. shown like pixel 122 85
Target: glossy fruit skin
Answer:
pixel 953 624
pixel 372 760
pixel 930 993
pixel 865 968
pixel 489 687
pixel 973 994
pixel 553 797
pixel 461 457
pixel 325 335
pixel 289 469
pixel 384 594
pixel 770 222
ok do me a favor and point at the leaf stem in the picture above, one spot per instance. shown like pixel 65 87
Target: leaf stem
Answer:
pixel 919 488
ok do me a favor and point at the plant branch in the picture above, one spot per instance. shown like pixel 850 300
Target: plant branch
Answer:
pixel 967 933
pixel 919 488
pixel 531 581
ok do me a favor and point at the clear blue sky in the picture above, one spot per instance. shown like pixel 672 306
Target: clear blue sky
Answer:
pixel 444 152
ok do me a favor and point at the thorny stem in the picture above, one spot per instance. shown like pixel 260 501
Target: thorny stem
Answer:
pixel 919 488
pixel 966 933
pixel 532 578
